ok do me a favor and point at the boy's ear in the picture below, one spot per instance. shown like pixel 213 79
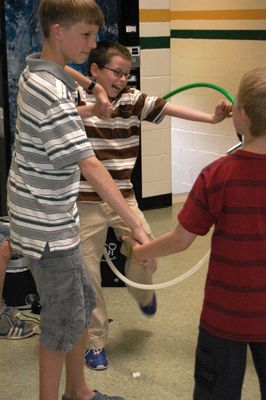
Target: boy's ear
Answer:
pixel 55 30
pixel 245 118
pixel 94 69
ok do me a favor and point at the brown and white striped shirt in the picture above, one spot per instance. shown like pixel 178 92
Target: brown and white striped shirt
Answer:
pixel 115 140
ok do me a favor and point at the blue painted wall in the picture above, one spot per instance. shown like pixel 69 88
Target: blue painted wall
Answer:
pixel 23 37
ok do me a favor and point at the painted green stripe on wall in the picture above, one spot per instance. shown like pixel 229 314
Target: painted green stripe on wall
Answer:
pixel 163 42
pixel 160 42
pixel 219 34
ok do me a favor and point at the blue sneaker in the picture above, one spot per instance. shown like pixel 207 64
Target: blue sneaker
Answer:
pixel 98 396
pixel 96 359
pixel 150 309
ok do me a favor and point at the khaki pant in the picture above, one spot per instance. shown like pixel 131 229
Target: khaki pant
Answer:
pixel 95 219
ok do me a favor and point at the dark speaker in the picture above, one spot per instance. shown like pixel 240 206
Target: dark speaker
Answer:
pixel 19 287
pixel 112 245
pixel 128 22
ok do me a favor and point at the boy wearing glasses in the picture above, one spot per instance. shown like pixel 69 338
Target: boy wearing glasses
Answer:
pixel 115 142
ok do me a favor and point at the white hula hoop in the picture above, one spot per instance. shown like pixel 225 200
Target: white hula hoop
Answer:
pixel 155 286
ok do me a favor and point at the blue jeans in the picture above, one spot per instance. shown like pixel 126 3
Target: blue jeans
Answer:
pixel 220 367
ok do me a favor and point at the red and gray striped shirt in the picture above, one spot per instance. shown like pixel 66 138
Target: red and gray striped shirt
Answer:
pixel 230 194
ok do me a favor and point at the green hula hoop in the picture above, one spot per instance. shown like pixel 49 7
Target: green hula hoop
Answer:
pixel 201 84
pixel 204 259
pixel 207 85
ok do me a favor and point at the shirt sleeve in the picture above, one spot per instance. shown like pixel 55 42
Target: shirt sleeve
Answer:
pixel 195 216
pixel 151 108
pixel 63 135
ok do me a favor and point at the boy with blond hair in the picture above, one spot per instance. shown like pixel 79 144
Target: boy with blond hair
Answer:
pixel 229 194
pixel 50 151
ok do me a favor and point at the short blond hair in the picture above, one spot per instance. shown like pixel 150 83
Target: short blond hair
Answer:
pixel 252 98
pixel 67 13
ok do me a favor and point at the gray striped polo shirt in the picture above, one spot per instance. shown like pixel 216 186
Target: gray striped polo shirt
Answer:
pixel 43 181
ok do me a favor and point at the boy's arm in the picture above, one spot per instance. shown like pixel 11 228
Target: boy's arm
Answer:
pixel 82 80
pixel 102 108
pixel 89 110
pixel 98 176
pixel 223 110
pixel 168 243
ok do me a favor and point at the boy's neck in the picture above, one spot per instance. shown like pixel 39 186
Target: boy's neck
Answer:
pixel 255 144
pixel 51 54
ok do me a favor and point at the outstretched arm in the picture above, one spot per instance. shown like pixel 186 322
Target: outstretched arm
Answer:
pixel 82 80
pixel 171 242
pixel 223 110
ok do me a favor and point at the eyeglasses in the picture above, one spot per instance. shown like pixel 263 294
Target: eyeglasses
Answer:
pixel 118 73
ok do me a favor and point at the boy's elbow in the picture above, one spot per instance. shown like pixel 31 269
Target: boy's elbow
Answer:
pixel 180 246
pixel 183 238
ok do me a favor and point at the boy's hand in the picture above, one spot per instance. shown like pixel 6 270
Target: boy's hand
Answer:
pixel 223 110
pixel 151 263
pixel 103 107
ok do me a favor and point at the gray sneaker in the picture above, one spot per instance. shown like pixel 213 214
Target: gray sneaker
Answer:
pixel 12 327
pixel 98 396
pixel 14 312
pixel 11 310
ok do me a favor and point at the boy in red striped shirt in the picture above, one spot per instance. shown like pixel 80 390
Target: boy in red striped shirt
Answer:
pixel 229 194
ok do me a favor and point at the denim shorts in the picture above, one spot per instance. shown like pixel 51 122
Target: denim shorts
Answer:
pixel 66 296
pixel 4 232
